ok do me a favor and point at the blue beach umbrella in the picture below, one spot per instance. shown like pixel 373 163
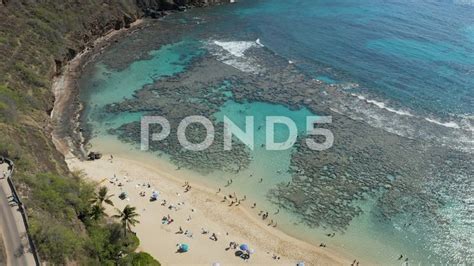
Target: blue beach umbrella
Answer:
pixel 184 247
pixel 244 247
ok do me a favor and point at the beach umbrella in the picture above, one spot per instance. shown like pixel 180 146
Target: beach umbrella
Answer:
pixel 244 247
pixel 301 263
pixel 184 247
pixel 155 194
pixel 251 251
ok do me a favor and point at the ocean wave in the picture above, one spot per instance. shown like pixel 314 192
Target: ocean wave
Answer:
pixel 382 105
pixel 232 53
pixel 450 124
pixel 236 48
pixel 455 132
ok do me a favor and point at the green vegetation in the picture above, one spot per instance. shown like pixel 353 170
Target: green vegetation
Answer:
pixel 127 218
pixel 68 221
pixel 101 197
pixel 67 226
pixel 37 38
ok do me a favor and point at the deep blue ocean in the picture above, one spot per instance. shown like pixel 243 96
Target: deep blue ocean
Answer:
pixel 417 54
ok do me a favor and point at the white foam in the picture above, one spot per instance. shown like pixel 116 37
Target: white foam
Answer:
pixel 446 124
pixel 236 48
pixel 382 105
pixel 233 54
pixel 259 43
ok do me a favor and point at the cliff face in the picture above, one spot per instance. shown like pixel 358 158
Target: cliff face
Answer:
pixel 37 38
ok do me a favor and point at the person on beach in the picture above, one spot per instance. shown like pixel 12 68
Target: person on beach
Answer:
pixel 188 234
pixel 261 180
pixel 254 205
pixel 218 191
pixel 265 216
pixel 187 189
pixel 180 231
pixel 213 237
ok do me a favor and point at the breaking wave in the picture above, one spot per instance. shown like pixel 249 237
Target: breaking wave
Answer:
pixel 456 132
pixel 233 53
pixel 382 105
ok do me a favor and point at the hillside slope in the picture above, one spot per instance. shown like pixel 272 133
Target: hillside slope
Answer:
pixel 37 38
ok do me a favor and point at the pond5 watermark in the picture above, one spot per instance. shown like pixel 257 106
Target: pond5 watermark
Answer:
pixel 246 136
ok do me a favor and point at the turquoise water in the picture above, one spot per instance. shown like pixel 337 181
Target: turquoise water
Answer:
pixel 414 55
pixel 365 237
pixel 106 86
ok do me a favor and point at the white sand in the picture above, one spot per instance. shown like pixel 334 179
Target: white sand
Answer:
pixel 206 210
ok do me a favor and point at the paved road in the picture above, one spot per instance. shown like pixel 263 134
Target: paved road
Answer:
pixel 12 228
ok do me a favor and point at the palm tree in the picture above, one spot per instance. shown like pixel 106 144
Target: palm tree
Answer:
pixel 127 217
pixel 97 211
pixel 101 197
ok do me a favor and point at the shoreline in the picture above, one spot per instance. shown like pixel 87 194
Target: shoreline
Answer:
pixel 69 140
pixel 67 109
pixel 207 211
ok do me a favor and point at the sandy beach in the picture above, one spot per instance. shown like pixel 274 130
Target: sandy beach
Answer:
pixel 197 211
